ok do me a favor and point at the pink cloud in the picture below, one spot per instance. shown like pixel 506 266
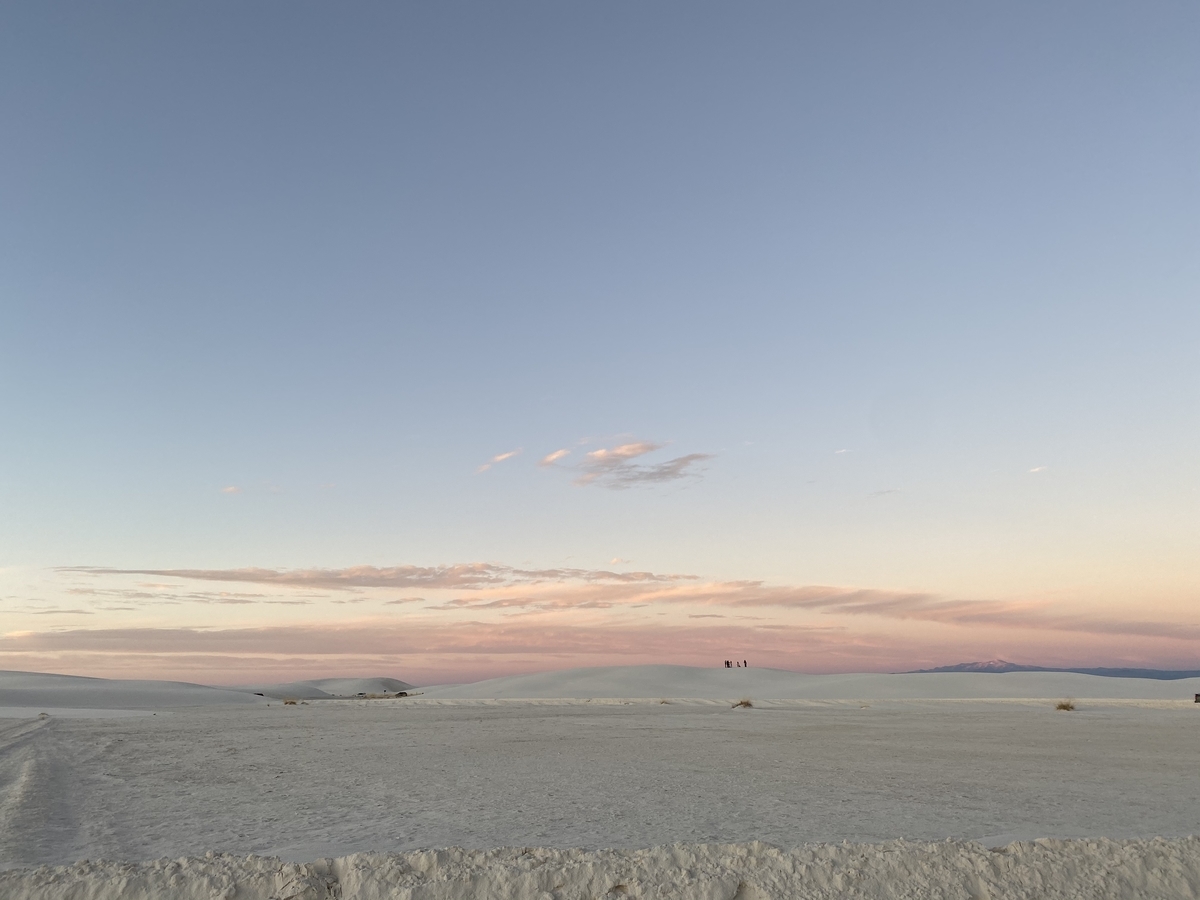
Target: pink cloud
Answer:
pixel 491 618
pixel 498 458
pixel 426 636
pixel 489 586
pixel 614 467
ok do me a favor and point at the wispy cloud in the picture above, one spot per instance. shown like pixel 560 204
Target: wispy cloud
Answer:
pixel 483 619
pixel 165 594
pixel 551 458
pixel 498 458
pixel 617 467
pixel 61 612
pixel 464 576
pixel 231 489
pixel 930 608
pixel 391 638
pixel 1038 469
pixel 493 590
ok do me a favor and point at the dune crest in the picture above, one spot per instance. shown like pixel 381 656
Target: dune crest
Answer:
pixel 687 682
pixel 1120 870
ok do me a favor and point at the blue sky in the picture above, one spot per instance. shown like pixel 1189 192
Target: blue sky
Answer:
pixel 911 290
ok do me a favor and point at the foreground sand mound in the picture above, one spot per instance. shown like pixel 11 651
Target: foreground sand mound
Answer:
pixel 1112 870
pixel 39 689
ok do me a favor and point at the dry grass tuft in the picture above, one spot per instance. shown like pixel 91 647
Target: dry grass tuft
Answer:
pixel 743 703
pixel 1065 704
pixel 289 701
pixel 667 702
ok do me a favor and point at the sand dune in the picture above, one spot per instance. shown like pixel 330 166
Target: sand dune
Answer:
pixel 36 690
pixel 330 688
pixel 29 692
pixel 33 689
pixel 720 683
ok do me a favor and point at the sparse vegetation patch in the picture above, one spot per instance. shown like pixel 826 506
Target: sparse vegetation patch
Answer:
pixel 743 703
pixel 1065 704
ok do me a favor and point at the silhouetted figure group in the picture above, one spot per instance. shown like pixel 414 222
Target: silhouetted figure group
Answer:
pixel 732 663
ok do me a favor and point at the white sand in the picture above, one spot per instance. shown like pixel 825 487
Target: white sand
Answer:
pixel 1100 869
pixel 38 691
pixel 764 684
pixel 924 760
pixel 68 712
pixel 330 688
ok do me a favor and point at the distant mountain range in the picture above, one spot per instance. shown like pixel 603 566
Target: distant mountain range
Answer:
pixel 1003 665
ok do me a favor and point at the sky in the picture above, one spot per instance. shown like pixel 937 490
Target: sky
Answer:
pixel 448 341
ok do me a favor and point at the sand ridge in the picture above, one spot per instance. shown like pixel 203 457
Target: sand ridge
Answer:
pixel 664 681
pixel 41 690
pixel 896 870
pixel 615 683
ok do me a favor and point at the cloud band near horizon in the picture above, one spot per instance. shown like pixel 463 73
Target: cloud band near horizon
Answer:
pixel 501 588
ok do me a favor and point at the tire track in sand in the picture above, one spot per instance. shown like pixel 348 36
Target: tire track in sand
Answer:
pixel 36 788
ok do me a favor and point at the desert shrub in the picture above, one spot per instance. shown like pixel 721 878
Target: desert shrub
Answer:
pixel 1065 704
pixel 290 701
pixel 743 703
